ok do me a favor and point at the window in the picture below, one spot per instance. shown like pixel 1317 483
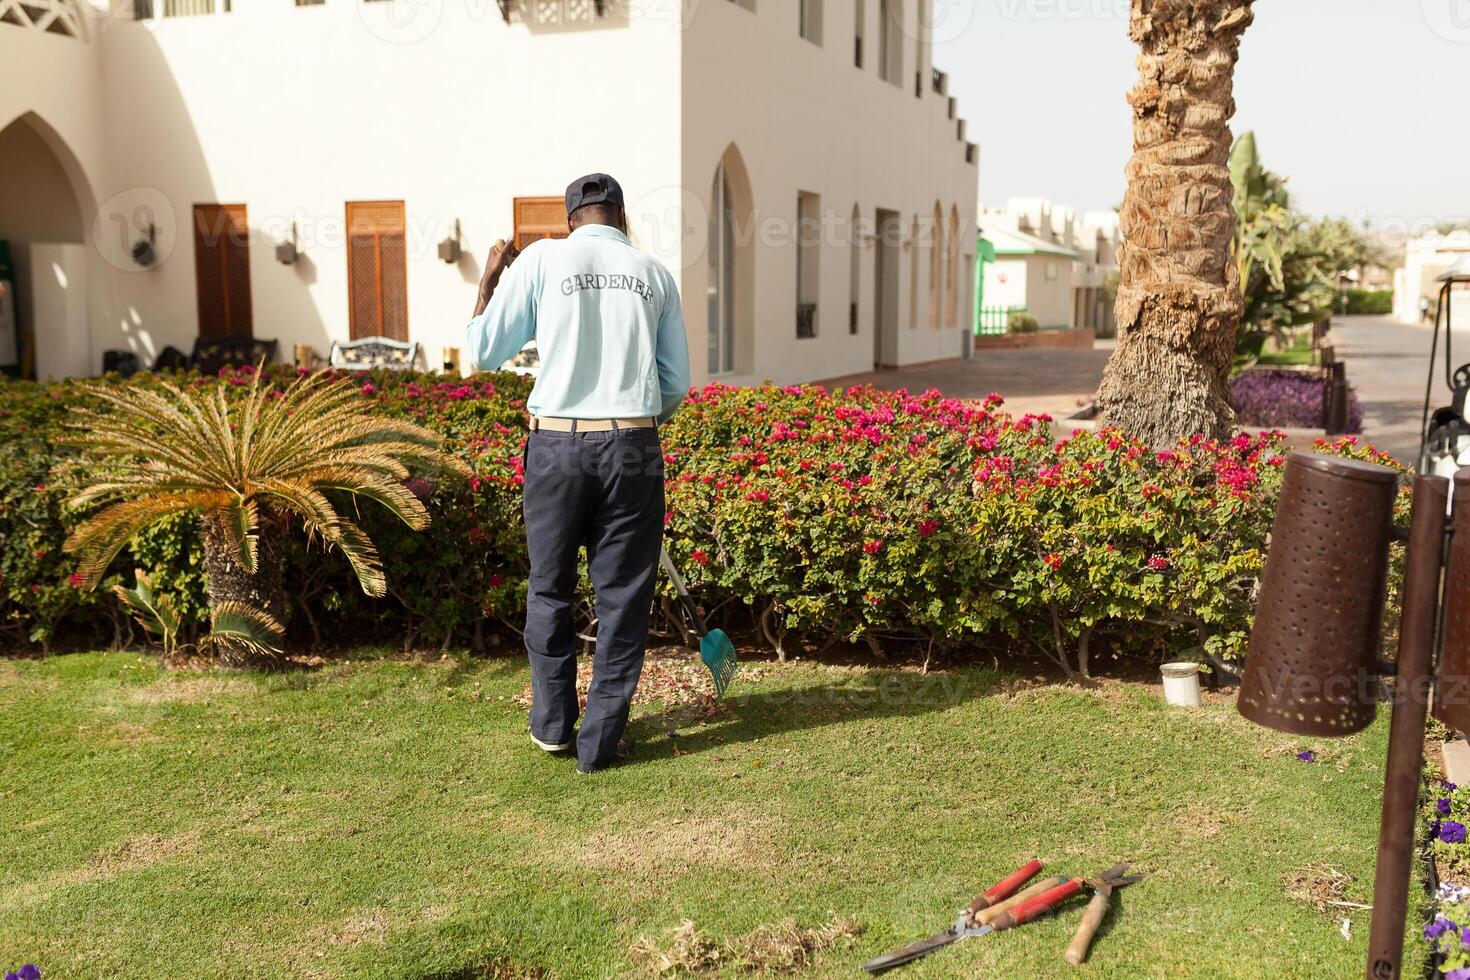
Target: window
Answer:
pixel 861 23
pixel 952 270
pixel 222 270
pixel 808 262
pixel 810 14
pixel 855 270
pixel 890 37
pixel 936 250
pixel 721 276
pixel 191 8
pixel 377 270
pixel 540 217
pixel 916 235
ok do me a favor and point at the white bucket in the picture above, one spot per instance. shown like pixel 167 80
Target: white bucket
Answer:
pixel 1181 684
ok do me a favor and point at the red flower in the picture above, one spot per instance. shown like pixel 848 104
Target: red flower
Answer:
pixel 873 547
pixel 1158 563
pixel 927 527
pixel 496 581
pixel 1053 561
pixel 76 580
pixel 699 555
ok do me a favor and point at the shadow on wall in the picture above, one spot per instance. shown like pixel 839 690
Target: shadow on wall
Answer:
pixel 167 174
pixel 113 262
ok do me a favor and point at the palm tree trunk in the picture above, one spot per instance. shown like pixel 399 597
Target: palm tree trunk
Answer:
pixel 1179 299
pixel 228 581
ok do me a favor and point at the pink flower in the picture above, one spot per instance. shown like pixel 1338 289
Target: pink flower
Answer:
pixel 927 527
pixel 76 580
pixel 873 547
pixel 759 496
pixel 368 388
pixel 1158 563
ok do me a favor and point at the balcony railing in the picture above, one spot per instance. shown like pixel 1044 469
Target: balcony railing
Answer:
pixel 806 321
pixel 550 12
pixel 62 17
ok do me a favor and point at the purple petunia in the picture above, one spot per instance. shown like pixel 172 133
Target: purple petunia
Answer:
pixel 28 972
pixel 1458 973
pixel 1452 832
pixel 1449 787
pixel 1307 756
pixel 1443 806
pixel 1439 927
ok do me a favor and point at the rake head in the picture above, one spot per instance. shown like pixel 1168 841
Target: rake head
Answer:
pixel 718 654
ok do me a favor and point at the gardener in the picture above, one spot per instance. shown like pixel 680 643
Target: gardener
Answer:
pixel 614 365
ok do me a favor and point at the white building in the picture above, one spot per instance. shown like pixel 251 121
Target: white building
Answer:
pixel 1049 262
pixel 1426 259
pixel 759 142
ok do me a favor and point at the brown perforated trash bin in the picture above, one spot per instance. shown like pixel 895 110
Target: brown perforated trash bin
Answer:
pixel 1314 649
pixel 1452 675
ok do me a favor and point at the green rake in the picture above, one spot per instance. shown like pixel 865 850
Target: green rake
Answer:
pixel 715 648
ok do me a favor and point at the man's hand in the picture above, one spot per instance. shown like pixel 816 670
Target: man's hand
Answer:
pixel 502 254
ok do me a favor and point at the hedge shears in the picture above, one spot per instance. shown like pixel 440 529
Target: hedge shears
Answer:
pixel 999 909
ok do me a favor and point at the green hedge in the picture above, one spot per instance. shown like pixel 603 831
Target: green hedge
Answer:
pixel 1378 302
pixel 835 515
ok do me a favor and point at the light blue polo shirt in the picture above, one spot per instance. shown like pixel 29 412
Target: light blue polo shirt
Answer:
pixel 607 324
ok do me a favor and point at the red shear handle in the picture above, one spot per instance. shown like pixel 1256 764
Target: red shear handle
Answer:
pixel 1033 907
pixel 1005 887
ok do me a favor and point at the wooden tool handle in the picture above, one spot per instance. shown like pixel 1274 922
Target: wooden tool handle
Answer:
pixel 1038 904
pixel 1005 886
pixel 988 915
pixel 1091 919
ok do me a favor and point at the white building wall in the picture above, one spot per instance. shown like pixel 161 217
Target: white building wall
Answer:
pixel 294 111
pixel 805 118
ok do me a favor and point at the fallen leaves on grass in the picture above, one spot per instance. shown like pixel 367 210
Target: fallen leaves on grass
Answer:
pixel 781 947
pixel 671 676
pixel 1322 887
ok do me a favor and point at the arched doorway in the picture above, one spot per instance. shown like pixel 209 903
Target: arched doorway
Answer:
pixel 730 269
pixel 44 204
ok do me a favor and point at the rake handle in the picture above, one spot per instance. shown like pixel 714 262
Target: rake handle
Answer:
pixel 678 580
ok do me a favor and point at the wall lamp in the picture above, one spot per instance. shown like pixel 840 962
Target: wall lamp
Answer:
pixel 142 250
pixel 288 251
pixel 1313 665
pixel 449 249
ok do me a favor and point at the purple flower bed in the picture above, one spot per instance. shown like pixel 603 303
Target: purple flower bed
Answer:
pixel 1285 399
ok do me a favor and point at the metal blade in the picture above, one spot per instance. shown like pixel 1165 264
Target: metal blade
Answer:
pixel 921 948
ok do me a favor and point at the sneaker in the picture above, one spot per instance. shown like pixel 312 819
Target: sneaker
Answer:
pixel 624 749
pixel 551 746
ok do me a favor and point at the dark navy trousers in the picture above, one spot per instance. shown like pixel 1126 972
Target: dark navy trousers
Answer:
pixel 602 491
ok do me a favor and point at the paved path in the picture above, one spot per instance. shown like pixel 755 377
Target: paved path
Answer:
pixel 1058 382
pixel 1387 363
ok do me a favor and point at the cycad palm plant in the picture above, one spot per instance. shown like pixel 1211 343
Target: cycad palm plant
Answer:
pixel 248 470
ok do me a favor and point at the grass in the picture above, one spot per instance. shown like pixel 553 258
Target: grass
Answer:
pixel 383 818
pixel 1298 354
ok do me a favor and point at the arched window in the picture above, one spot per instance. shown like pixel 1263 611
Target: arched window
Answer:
pixel 952 270
pixel 855 269
pixel 936 256
pixel 729 285
pixel 890 41
pixel 916 243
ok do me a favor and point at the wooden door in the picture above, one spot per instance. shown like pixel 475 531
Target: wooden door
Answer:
pixel 540 217
pixel 222 270
pixel 377 270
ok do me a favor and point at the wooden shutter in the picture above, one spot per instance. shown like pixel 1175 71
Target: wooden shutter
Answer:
pixel 377 270
pixel 540 217
pixel 222 270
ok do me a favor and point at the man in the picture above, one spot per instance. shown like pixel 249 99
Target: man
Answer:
pixel 614 364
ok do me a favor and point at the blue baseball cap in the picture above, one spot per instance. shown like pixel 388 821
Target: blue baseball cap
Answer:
pixel 593 189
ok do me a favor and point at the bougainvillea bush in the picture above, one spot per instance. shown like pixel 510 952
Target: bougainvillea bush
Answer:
pixel 1282 398
pixel 801 513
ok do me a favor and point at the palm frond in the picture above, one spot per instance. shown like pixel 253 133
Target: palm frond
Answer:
pixel 235 624
pixel 240 522
pixel 154 611
pixel 102 536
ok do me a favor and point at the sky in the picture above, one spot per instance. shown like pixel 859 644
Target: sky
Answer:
pixel 1360 103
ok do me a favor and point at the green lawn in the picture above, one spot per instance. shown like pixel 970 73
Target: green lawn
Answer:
pixel 390 819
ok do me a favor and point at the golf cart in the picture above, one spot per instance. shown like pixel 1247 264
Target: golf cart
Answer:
pixel 1444 444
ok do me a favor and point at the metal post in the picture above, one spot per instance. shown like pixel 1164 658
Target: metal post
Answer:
pixel 1406 731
